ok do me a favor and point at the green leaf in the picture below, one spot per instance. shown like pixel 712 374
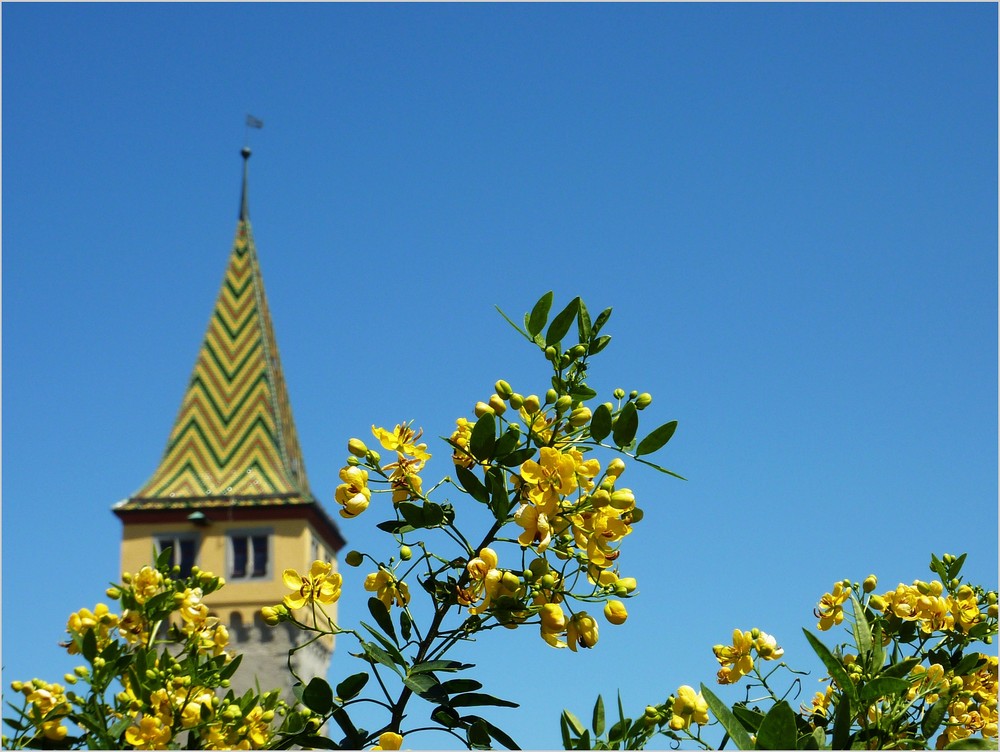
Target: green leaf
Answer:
pixel 420 683
pixel 598 721
pixel 472 484
pixel 834 667
pixel 599 344
pixel 516 458
pixel 656 439
pixel 479 737
pixel 316 742
pixel 732 726
pixel 878 649
pixel 229 669
pixel 539 314
pixel 777 730
pixel 440 666
pixel 574 722
pixel 89 646
pixel 471 699
pixel 446 717
pixel 882 686
pixel 508 443
pixel 750 718
pixel 583 325
pixel 966 665
pixel 374 654
pixel 483 438
pixel 820 737
pixel 455 686
pixel 381 615
pixel 318 696
pixel 862 632
pixel 352 685
pixel 413 514
pixel 405 625
pixel 600 424
pixel 500 736
pixel 564 730
pixel 956 567
pixel 900 669
pixel 499 503
pixel 842 718
pixel 582 392
pixel 972 742
pixel 395 526
pixel 391 650
pixel 508 320
pixel 433 514
pixel 626 425
pixel 562 322
pixel 601 320
pixel 934 717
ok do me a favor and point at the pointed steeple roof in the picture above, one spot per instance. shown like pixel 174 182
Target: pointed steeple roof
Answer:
pixel 234 441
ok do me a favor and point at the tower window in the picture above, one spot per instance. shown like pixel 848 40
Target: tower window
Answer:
pixel 183 550
pixel 249 555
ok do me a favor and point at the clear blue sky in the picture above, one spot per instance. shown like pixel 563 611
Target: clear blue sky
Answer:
pixel 791 208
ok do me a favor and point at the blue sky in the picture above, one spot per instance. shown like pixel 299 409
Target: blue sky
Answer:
pixel 791 208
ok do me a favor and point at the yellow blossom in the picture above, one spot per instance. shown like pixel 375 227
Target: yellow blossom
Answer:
pixel 148 733
pixel 552 476
pixel 688 707
pixel 767 647
pixel 387 588
pixel 147 583
pixel 736 660
pixel 192 610
pixel 581 631
pixel 830 610
pixel 389 740
pixel 536 527
pixel 320 585
pixel 353 494
pixel 134 628
pixel 553 624
pixel 402 439
pixel 460 439
pixel 484 580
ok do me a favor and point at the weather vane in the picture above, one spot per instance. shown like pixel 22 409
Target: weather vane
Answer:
pixel 252 122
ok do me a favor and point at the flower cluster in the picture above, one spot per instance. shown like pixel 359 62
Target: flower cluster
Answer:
pixel 152 681
pixel 737 660
pixel 927 604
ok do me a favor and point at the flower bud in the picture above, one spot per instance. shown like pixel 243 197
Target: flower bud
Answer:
pixel 600 498
pixel 580 417
pixel 353 462
pixel 503 389
pixel 405 553
pixel 651 712
pixel 69 678
pixel 623 498
pixel 224 683
pixel 547 582
pixel 615 468
pixel 17 686
pixel 947 558
pixel 551 353
pixel 577 351
pixel 354 559
pixel 373 457
pixel 532 404
pixel 481 409
pixel 628 583
pixel 615 612
pixel 498 405
pixel 516 401
pixel 510 581
pixel 82 671
pixel 870 583
pixel 991 597
pixel 991 611
pixel 357 448
pixel 551 395
pixel 113 593
pixel 633 394
pixel 643 401
pixel 618 393
pixel 563 403
pixel 99 662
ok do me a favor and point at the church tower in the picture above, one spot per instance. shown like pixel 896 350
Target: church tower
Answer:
pixel 230 494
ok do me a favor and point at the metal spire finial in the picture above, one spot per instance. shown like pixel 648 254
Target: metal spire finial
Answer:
pixel 244 207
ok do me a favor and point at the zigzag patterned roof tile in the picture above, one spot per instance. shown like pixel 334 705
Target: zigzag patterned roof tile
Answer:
pixel 234 439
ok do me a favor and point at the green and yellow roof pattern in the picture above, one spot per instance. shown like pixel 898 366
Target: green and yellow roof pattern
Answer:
pixel 234 440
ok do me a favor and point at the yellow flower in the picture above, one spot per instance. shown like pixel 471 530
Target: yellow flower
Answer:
pixel 767 647
pixel 402 439
pixel 133 628
pixel 615 612
pixel 582 631
pixel 830 610
pixel 736 656
pixel 149 733
pixel 147 583
pixel 193 611
pixel 554 475
pixel 553 624
pixel 389 740
pixel 353 494
pixel 964 608
pixel 484 578
pixel 84 620
pixel 53 730
pixel 536 527
pixel 406 485
pixel 688 707
pixel 321 585
pixel 460 439
pixel 387 588
pixel 255 728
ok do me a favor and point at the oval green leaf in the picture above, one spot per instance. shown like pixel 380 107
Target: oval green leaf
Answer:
pixel 318 696
pixel 539 314
pixel 562 322
pixel 600 424
pixel 656 439
pixel 729 722
pixel 626 425
pixel 777 730
pixel 353 684
pixel 483 438
pixel 381 614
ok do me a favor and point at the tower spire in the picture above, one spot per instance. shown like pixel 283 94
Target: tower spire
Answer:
pixel 244 206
